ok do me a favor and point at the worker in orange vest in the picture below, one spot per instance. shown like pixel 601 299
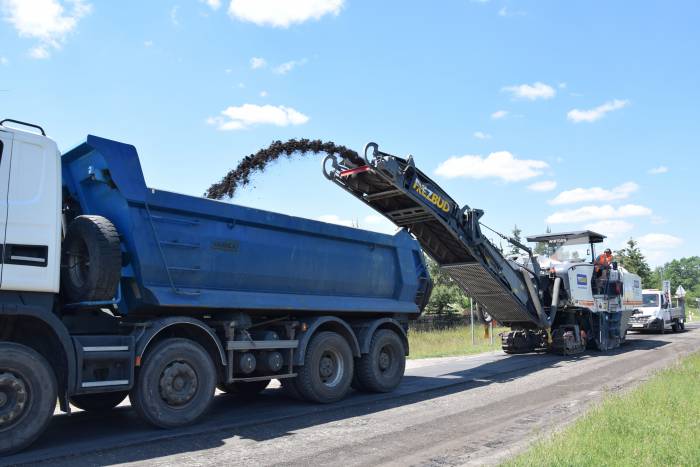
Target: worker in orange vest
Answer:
pixel 604 261
pixel 602 267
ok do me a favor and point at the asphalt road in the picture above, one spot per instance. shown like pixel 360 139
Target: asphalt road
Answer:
pixel 449 411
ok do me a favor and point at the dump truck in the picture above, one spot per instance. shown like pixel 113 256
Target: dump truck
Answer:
pixel 110 289
pixel 561 302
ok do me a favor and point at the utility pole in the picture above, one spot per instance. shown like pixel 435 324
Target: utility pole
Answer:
pixel 471 307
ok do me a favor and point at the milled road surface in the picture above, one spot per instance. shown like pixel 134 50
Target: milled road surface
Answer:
pixel 449 411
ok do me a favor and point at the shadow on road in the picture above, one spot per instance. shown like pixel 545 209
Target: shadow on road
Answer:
pixel 271 415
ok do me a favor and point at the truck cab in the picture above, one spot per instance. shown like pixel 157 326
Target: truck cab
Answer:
pixel 30 212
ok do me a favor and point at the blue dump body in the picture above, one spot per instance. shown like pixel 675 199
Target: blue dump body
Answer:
pixel 189 253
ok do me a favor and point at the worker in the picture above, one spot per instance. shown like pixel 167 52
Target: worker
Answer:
pixel 604 261
pixel 602 268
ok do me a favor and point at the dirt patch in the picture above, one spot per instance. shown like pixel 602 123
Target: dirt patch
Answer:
pixel 240 176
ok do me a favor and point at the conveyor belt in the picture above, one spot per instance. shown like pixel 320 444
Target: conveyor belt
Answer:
pixel 449 234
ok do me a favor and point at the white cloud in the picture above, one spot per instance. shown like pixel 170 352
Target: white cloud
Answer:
pixel 374 219
pixel 531 92
pixel 247 115
pixel 501 164
pixel 282 13
pixel 577 116
pixel 592 213
pixel 173 15
pixel 497 115
pixel 213 4
pixel 263 93
pixel 545 185
pixel 578 195
pixel 662 169
pixel 373 222
pixel 505 11
pixel 47 21
pixel 481 135
pixel 659 241
pixel 378 223
pixel 334 219
pixel 148 43
pixel 561 85
pixel 40 52
pixel 612 228
pixel 4 61
pixel 257 62
pixel 286 67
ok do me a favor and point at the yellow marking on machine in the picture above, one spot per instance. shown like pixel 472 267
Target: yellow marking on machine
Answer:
pixel 431 196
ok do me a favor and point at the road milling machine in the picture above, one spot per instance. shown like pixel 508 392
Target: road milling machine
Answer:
pixel 556 302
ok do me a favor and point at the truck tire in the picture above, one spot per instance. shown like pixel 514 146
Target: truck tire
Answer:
pixel 175 384
pixel 101 402
pixel 327 371
pixel 675 327
pixel 27 396
pixel 244 388
pixel 91 263
pixel 381 370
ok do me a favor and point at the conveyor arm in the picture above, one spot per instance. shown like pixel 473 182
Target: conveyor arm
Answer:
pixel 449 234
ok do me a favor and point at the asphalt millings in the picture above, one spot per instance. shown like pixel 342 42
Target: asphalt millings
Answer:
pixel 240 176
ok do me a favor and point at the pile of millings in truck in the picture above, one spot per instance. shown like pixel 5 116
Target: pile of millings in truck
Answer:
pixel 240 176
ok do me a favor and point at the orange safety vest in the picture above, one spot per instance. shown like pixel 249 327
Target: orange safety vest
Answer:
pixel 603 261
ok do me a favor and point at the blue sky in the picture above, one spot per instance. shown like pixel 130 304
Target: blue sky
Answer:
pixel 568 114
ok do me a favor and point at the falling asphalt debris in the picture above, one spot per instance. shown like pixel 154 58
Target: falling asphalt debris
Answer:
pixel 240 176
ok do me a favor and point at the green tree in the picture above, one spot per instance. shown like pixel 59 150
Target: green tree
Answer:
pixel 514 250
pixel 541 247
pixel 634 261
pixel 447 297
pixel 683 271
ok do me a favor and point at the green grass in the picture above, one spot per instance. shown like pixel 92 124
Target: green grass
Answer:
pixel 656 424
pixel 450 342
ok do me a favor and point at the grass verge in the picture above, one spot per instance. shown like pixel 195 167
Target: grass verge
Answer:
pixel 657 423
pixel 450 342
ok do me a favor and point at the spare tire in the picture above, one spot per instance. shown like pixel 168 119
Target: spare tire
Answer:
pixel 91 263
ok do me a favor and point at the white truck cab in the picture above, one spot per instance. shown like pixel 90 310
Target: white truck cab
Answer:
pixel 657 313
pixel 30 211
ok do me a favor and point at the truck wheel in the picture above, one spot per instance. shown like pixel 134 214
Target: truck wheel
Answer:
pixel 91 263
pixel 244 388
pixel 175 384
pixel 327 371
pixel 98 402
pixel 27 396
pixel 675 327
pixel 381 370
